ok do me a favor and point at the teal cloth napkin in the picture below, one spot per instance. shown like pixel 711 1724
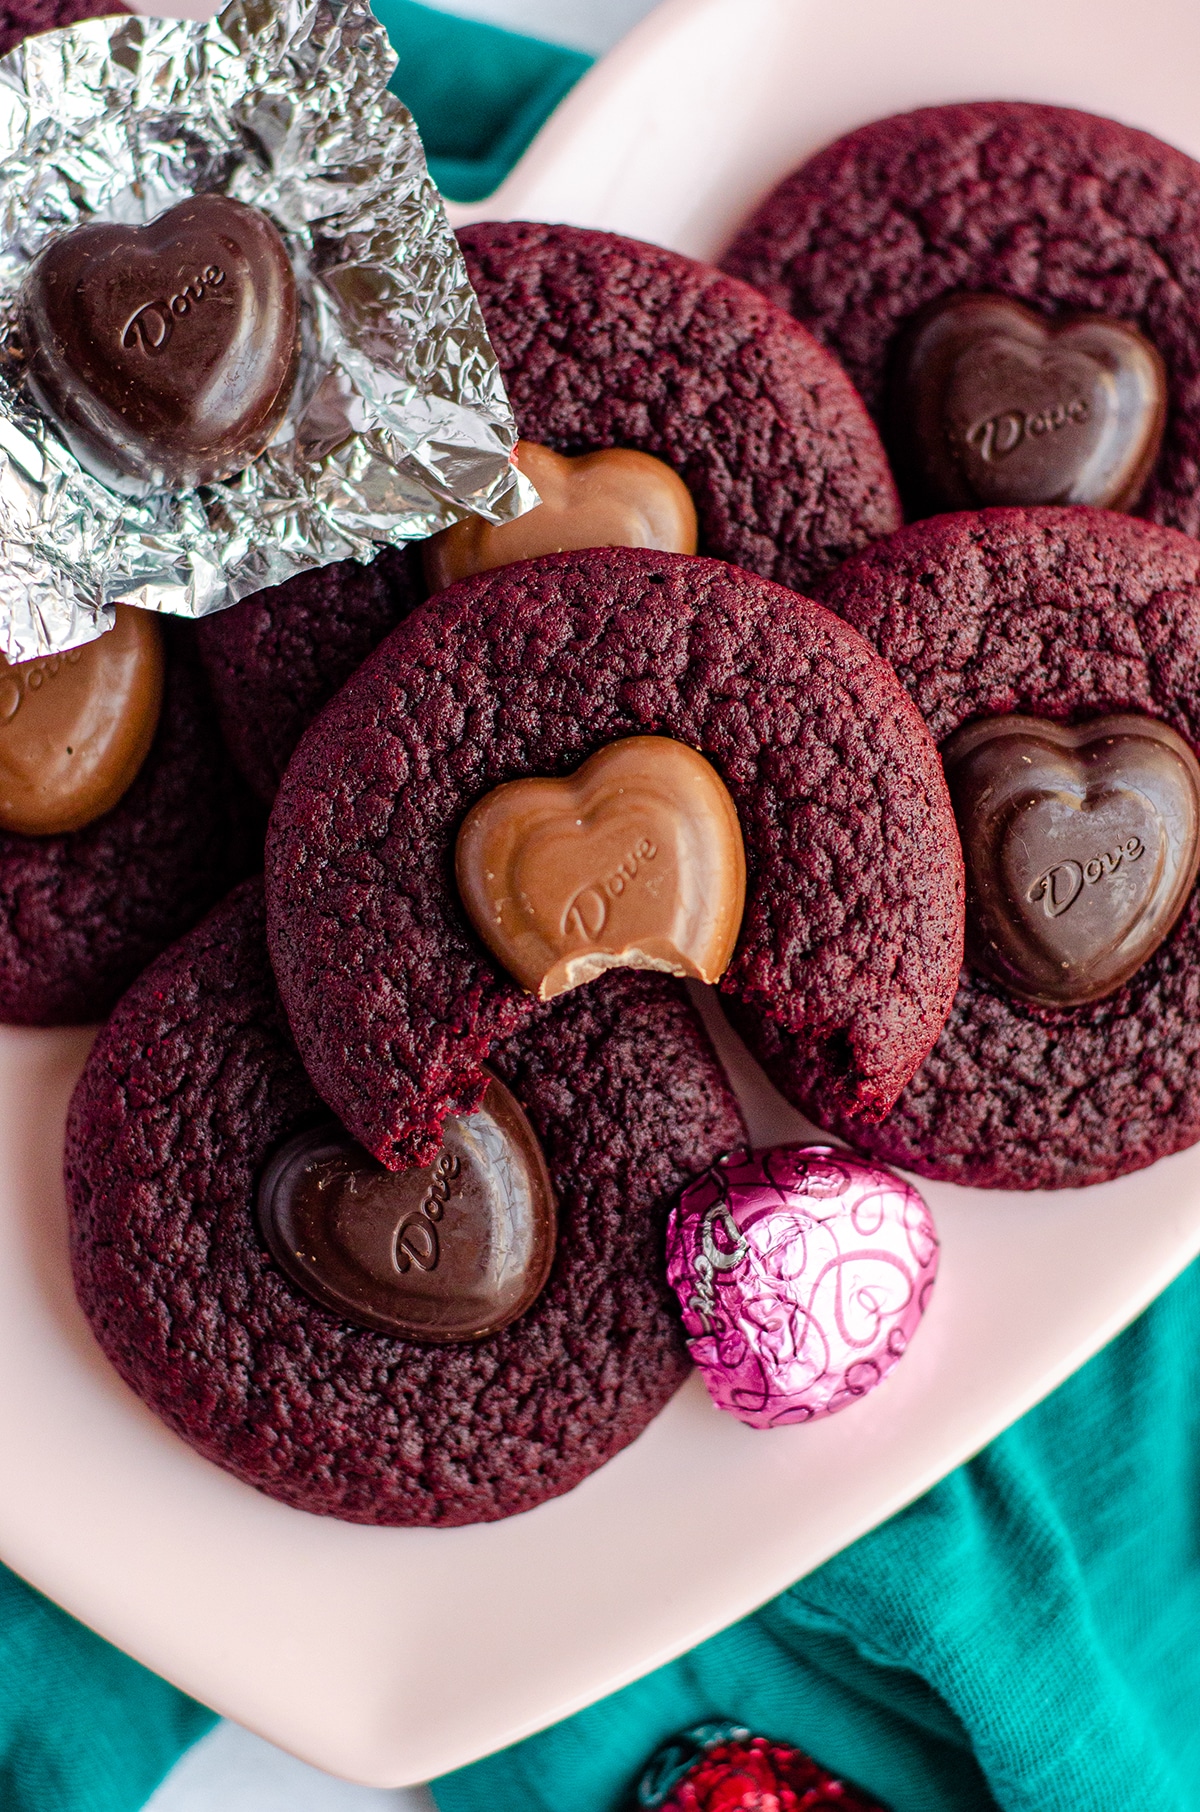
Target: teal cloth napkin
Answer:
pixel 478 94
pixel 1025 1636
pixel 82 1727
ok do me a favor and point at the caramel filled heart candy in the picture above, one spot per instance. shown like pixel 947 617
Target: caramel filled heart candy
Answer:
pixel 165 353
pixel 454 1251
pixel 989 404
pixel 1081 843
pixel 617 498
pixel 76 727
pixel 635 861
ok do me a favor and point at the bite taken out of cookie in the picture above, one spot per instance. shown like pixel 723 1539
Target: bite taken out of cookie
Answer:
pixel 635 758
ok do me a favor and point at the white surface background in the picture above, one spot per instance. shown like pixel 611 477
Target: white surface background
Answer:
pixel 592 25
pixel 230 1770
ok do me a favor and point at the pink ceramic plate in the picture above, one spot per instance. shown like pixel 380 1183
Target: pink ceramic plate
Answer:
pixel 390 1655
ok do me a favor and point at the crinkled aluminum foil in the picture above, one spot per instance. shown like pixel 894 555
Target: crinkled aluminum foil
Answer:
pixel 399 423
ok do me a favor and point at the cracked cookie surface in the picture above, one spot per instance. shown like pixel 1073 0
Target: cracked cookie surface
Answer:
pixel 195 1082
pixel 609 342
pixel 1057 209
pixel 81 913
pixel 1068 614
pixel 602 342
pixel 852 932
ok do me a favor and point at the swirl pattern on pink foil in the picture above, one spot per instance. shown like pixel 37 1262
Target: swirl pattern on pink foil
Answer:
pixel 802 1274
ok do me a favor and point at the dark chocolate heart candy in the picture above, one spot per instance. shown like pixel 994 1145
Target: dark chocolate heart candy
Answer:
pixel 165 353
pixel 1081 844
pixel 450 1252
pixel 991 405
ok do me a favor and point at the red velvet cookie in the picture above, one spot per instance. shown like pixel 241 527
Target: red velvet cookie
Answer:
pixel 1056 210
pixel 1066 615
pixel 192 1086
pixel 23 18
pixel 851 937
pixel 602 342
pixel 609 342
pixel 274 659
pixel 83 912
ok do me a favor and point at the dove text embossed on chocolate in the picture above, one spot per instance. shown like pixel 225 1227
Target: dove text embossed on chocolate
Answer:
pixel 1062 883
pixel 586 912
pixel 166 354
pixel 450 1252
pixel 997 436
pixel 1082 844
pixel 416 1240
pixel 16 683
pixel 153 324
pixel 635 861
pixel 991 404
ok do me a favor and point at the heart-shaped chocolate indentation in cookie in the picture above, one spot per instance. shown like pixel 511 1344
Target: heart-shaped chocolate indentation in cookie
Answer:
pixel 991 405
pixel 1082 844
pixel 635 861
pixel 76 727
pixel 453 1251
pixel 615 498
pixel 165 353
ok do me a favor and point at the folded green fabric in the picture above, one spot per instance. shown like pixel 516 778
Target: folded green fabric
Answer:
pixel 1024 1636
pixel 82 1727
pixel 479 95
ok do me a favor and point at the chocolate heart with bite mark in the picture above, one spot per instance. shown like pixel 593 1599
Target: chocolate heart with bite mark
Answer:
pixel 1082 845
pixel 989 404
pixel 165 353
pixel 453 1251
pixel 635 861
pixel 616 498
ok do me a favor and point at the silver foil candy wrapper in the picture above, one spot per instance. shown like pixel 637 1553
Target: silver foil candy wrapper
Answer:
pixel 399 424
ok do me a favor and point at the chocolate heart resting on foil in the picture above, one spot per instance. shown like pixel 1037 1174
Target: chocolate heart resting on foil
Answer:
pixel 1081 843
pixel 636 861
pixel 165 353
pixel 453 1251
pixel 989 404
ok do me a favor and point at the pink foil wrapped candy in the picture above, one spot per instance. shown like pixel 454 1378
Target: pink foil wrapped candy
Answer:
pixel 802 1274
